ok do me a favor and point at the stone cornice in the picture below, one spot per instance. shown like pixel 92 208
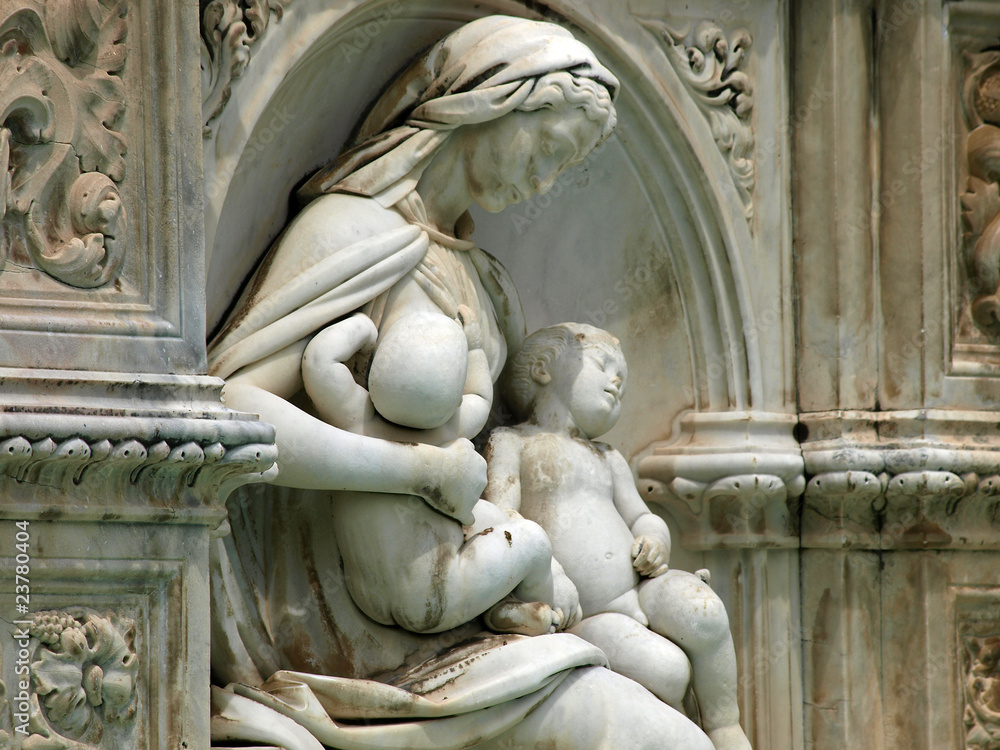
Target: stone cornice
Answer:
pixel 134 449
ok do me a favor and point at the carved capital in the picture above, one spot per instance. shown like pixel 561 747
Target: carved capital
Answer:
pixel 62 155
pixel 901 480
pixel 710 63
pixel 730 480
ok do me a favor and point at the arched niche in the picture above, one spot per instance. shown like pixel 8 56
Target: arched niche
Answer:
pixel 644 239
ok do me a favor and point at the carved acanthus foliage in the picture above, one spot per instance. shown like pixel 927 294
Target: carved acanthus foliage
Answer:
pixel 229 28
pixel 84 673
pixel 981 678
pixel 62 154
pixel 708 62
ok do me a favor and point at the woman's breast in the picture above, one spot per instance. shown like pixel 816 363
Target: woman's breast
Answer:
pixel 445 280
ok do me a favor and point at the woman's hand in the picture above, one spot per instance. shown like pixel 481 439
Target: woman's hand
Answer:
pixel 458 480
pixel 565 597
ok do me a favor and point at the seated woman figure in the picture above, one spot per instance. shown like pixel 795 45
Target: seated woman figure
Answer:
pixel 490 115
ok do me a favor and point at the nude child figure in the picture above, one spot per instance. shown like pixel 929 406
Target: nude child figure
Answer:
pixel 660 627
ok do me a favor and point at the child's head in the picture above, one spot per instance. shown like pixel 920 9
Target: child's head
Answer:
pixel 582 365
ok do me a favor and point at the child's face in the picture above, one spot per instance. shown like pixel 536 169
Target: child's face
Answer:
pixel 591 382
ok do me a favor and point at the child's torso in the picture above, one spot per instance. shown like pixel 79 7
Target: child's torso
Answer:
pixel 567 488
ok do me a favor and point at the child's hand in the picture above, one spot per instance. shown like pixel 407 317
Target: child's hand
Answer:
pixel 650 556
pixel 565 597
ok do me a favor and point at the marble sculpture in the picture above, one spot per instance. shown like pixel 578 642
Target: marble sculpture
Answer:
pixel 368 597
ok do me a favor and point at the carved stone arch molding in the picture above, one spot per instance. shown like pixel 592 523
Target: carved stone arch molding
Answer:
pixel 655 237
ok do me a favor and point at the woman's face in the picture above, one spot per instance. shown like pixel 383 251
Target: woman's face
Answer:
pixel 522 154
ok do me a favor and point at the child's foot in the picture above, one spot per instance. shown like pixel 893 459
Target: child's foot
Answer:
pixel 524 618
pixel 729 738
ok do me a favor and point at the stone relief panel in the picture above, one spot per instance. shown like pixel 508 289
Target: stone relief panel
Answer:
pixel 981 199
pixel 975 73
pixel 981 667
pixel 61 149
pixel 977 663
pixel 83 675
pixel 92 148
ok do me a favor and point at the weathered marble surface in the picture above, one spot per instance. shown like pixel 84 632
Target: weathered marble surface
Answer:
pixel 817 427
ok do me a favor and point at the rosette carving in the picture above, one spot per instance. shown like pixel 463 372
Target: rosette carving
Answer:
pixel 62 156
pixel 229 28
pixel 709 62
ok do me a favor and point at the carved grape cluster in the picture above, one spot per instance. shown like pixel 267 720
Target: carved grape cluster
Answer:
pixel 47 627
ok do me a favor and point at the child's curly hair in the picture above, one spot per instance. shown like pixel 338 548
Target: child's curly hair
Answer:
pixel 543 347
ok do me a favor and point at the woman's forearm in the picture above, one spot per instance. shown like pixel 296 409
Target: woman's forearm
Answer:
pixel 315 455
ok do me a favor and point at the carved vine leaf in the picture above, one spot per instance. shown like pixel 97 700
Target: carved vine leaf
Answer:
pixel 62 101
pixel 708 62
pixel 980 201
pixel 84 673
pixel 229 28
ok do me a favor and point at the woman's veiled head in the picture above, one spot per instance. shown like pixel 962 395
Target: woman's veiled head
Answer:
pixel 478 74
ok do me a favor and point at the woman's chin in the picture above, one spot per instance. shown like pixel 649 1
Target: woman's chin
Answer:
pixel 494 204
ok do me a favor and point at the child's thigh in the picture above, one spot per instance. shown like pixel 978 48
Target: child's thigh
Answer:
pixel 682 607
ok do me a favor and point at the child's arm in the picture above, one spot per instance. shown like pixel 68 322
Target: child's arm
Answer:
pixel 651 550
pixel 503 469
pixel 338 399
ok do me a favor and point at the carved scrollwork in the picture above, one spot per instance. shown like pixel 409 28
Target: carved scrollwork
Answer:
pixel 708 62
pixel 62 154
pixel 229 28
pixel 981 199
pixel 84 674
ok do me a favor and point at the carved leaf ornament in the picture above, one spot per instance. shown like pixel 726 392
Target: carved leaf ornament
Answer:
pixel 61 106
pixel 84 672
pixel 708 62
pixel 228 29
pixel 982 692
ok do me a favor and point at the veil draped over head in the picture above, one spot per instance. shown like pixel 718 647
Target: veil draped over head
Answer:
pixel 478 73
pixel 459 81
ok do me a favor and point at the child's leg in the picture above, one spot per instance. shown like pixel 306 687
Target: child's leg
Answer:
pixel 682 607
pixel 409 565
pixel 635 651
